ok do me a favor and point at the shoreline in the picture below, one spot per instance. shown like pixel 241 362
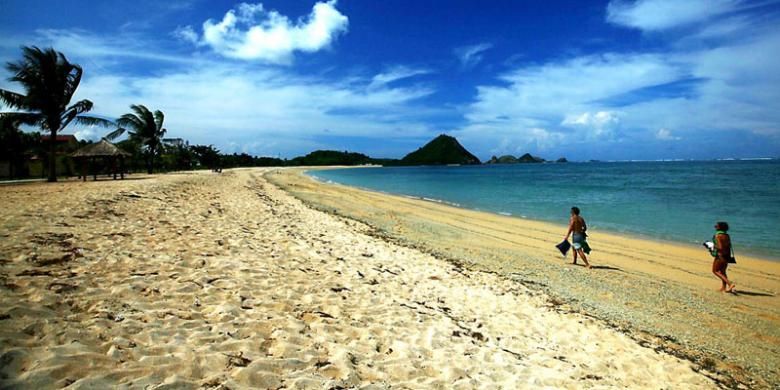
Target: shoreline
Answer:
pixel 625 235
pixel 683 301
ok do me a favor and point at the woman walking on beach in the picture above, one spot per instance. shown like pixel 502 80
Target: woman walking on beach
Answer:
pixel 722 255
pixel 577 229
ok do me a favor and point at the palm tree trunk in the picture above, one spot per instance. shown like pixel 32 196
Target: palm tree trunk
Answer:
pixel 53 156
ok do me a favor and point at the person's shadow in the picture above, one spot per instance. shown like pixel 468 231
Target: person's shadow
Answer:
pixel 751 293
pixel 606 267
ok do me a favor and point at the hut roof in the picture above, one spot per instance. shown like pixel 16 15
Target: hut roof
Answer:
pixel 100 149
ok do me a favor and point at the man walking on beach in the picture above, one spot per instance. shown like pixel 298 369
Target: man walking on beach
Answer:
pixel 577 229
pixel 722 255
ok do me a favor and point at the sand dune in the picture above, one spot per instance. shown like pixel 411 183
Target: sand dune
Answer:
pixel 204 280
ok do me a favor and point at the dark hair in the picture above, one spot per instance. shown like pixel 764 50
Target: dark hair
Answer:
pixel 575 210
pixel 722 226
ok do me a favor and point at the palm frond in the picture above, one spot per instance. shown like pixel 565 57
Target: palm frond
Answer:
pixel 13 99
pixel 131 121
pixel 159 118
pixel 73 111
pixel 25 118
pixel 93 121
pixel 114 134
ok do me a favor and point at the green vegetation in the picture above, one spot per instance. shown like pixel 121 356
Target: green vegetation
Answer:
pixel 441 150
pixel 332 157
pixel 145 127
pixel 49 82
pixel 507 159
pixel 524 159
pixel 528 158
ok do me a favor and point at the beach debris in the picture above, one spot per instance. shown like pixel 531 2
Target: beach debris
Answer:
pixel 115 317
pixel 246 303
pixel 34 272
pixel 237 360
pixel 519 356
pixel 60 287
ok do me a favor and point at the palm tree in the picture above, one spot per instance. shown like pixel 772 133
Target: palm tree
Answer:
pixel 145 127
pixel 49 82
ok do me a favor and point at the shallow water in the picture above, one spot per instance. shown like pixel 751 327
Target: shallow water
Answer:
pixel 676 201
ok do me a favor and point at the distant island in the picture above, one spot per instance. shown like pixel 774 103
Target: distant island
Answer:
pixel 524 159
pixel 442 150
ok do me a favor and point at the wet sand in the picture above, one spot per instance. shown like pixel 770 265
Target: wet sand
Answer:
pixel 659 293
pixel 205 280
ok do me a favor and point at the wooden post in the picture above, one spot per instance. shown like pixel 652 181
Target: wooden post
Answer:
pixel 94 172
pixel 83 163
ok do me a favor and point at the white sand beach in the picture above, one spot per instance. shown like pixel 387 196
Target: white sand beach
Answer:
pixel 203 280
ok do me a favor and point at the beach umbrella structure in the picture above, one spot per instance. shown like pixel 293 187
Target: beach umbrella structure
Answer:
pixel 105 151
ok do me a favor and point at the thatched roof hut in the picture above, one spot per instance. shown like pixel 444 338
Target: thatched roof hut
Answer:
pixel 100 149
pixel 104 150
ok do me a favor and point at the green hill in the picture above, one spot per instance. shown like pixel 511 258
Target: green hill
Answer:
pixel 528 158
pixel 507 159
pixel 441 150
pixel 332 157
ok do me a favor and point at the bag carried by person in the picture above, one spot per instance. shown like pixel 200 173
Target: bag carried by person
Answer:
pixel 564 247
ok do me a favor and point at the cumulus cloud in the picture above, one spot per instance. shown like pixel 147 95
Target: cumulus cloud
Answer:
pixel 90 133
pixel 599 125
pixel 470 56
pixel 250 32
pixel 656 15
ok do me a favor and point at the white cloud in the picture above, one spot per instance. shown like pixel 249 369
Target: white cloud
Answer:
pixel 91 133
pixel 252 33
pixel 92 50
pixel 469 56
pixel 656 15
pixel 263 111
pixel 627 97
pixel 187 34
pixel 665 135
pixel 598 125
pixel 395 73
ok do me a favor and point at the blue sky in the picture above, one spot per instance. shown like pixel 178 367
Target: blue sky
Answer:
pixel 609 80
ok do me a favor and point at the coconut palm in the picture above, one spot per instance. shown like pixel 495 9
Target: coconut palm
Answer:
pixel 146 127
pixel 49 82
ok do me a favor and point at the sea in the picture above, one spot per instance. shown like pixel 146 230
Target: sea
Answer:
pixel 676 201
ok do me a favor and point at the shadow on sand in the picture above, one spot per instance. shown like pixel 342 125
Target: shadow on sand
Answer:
pixel 606 267
pixel 750 293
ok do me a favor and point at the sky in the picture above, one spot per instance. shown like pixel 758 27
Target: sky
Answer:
pixel 606 80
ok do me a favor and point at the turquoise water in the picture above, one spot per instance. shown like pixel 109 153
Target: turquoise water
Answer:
pixel 675 201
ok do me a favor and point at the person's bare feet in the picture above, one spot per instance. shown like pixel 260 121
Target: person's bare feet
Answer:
pixel 731 288
pixel 588 266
